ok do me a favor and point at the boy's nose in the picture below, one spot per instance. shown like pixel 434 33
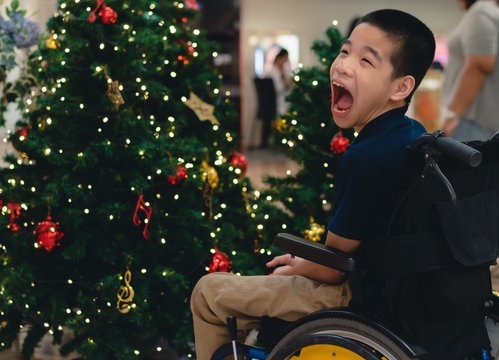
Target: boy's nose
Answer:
pixel 344 67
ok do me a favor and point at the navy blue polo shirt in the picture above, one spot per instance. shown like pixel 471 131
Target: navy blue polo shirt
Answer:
pixel 369 173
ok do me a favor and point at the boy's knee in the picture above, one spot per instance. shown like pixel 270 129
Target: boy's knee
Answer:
pixel 205 285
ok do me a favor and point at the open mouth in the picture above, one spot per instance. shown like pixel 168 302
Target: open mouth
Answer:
pixel 343 100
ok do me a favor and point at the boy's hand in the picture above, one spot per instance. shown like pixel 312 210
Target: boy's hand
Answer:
pixel 288 263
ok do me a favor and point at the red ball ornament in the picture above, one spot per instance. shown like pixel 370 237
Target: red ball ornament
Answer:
pixel 47 234
pixel 107 14
pixel 339 144
pixel 219 262
pixel 239 160
pixel 180 177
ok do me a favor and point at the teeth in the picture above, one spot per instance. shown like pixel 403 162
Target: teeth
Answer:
pixel 336 108
pixel 336 84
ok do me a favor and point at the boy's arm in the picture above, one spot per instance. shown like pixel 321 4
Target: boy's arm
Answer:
pixel 311 270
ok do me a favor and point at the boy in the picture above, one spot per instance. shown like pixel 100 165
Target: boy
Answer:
pixel 372 80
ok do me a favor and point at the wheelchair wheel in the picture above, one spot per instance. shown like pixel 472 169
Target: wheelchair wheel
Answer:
pixel 322 346
pixel 357 331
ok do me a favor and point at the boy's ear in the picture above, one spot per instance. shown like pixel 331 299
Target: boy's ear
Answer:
pixel 403 86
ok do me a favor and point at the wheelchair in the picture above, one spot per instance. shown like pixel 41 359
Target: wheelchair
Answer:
pixel 434 264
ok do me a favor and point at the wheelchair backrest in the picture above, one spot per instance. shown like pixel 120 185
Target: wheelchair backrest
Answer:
pixel 429 276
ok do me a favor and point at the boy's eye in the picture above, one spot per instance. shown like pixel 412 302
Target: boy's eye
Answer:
pixel 343 51
pixel 367 61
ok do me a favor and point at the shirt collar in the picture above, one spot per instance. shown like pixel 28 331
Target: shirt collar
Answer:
pixel 379 121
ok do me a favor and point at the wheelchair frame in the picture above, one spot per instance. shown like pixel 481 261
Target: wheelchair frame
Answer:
pixel 359 335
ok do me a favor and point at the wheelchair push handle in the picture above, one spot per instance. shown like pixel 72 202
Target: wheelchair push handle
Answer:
pixel 458 150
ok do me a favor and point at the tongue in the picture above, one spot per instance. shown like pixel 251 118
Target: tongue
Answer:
pixel 345 101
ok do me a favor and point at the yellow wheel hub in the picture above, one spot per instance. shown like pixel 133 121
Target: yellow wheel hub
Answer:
pixel 324 351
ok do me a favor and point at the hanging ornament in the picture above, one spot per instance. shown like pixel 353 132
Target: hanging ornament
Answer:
pixel 52 43
pixel 15 212
pixel 192 4
pixel 339 143
pixel 125 293
pixel 180 177
pixel 204 111
pixel 47 234
pixel 281 125
pixel 315 231
pixel 107 14
pixel 183 59
pixel 114 94
pixel 219 262
pixel 239 161
pixel 146 208
pixel 210 174
pixel 92 17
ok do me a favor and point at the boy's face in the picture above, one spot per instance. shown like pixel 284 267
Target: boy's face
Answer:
pixel 361 78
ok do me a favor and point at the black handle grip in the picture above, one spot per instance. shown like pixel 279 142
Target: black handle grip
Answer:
pixel 458 150
pixel 232 325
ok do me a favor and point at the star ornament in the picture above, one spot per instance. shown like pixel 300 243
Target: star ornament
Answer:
pixel 204 111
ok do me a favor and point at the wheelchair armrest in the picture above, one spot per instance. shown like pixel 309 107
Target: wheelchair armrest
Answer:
pixel 316 252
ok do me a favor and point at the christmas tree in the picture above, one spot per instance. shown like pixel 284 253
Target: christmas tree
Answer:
pixel 126 187
pixel 308 135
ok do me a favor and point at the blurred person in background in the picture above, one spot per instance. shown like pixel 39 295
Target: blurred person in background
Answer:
pixel 281 74
pixel 471 77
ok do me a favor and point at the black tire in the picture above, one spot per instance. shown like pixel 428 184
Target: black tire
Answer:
pixel 349 329
pixel 340 347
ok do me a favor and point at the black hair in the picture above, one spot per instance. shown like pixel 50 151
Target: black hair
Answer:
pixel 281 53
pixel 468 3
pixel 416 43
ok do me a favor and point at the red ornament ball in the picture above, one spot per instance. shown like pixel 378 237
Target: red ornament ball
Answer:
pixel 48 234
pixel 219 262
pixel 107 14
pixel 339 144
pixel 180 177
pixel 239 160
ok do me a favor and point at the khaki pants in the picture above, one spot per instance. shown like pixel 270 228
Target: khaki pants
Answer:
pixel 249 298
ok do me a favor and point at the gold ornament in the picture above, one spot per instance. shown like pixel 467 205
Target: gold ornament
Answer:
pixel 315 231
pixel 210 174
pixel 281 125
pixel 114 94
pixel 125 294
pixel 52 43
pixel 204 111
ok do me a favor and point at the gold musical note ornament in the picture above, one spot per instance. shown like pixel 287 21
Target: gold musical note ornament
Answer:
pixel 203 110
pixel 125 294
